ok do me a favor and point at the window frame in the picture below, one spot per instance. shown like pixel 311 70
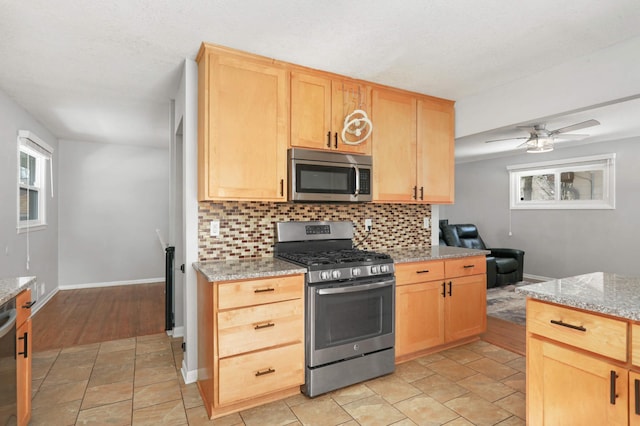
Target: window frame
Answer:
pixel 605 163
pixel 31 145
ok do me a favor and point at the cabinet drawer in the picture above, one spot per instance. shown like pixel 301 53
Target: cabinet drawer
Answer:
pixel 257 327
pixel 417 272
pixel 247 376
pixel 635 344
pixel 465 266
pixel 255 292
pixel 23 306
pixel 604 336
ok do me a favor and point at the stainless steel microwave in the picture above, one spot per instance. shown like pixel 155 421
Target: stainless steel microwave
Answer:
pixel 329 176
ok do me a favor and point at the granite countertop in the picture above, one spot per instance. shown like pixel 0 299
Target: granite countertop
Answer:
pixel 228 270
pixel 11 287
pixel 601 292
pixel 420 254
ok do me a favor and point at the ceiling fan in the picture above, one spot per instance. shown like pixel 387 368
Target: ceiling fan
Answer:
pixel 541 140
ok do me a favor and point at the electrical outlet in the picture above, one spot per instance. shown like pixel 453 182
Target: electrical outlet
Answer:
pixel 215 228
pixel 426 223
pixel 41 289
pixel 368 224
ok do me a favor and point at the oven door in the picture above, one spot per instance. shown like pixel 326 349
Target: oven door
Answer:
pixel 349 320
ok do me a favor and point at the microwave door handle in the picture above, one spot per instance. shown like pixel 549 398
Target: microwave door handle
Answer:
pixel 357 191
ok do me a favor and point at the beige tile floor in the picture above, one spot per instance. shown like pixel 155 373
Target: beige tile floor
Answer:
pixel 137 381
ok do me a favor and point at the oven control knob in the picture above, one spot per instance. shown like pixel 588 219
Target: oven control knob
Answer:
pixel 355 272
pixel 325 275
pixel 335 274
pixel 374 269
pixel 384 268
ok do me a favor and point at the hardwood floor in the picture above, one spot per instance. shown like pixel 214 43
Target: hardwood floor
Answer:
pixel 506 335
pixel 78 317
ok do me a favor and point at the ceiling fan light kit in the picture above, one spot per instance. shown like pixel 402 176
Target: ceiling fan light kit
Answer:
pixel 541 140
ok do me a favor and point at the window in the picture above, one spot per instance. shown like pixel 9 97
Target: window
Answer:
pixel 33 156
pixel 578 183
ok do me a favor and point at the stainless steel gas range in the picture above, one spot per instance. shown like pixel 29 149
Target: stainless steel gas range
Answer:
pixel 349 304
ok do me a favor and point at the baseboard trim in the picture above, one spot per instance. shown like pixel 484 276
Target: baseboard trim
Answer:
pixel 110 284
pixel 536 277
pixel 189 376
pixel 40 303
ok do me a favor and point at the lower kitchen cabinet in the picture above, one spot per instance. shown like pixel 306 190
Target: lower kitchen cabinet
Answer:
pixel 570 387
pixel 250 341
pixel 439 302
pixel 24 340
pixel 578 367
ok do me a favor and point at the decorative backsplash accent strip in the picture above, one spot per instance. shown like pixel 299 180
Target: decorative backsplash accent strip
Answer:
pixel 247 229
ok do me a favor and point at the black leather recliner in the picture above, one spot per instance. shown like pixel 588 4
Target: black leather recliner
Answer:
pixel 504 265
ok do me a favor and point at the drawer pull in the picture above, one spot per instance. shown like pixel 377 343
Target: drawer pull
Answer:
pixel 264 372
pixel 261 326
pixel 468 266
pixel 424 271
pixel 29 304
pixel 612 387
pixel 564 324
pixel 637 386
pixel 264 290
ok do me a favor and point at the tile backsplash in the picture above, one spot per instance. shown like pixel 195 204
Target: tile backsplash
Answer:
pixel 247 229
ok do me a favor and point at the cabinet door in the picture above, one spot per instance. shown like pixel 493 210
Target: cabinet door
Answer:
pixel 23 358
pixel 465 307
pixel 311 111
pixel 572 388
pixel 243 128
pixel 394 146
pixel 419 313
pixel 435 151
pixel 346 97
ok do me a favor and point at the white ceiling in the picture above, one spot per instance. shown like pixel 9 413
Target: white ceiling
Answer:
pixel 106 71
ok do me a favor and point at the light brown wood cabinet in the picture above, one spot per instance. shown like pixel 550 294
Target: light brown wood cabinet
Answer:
pixel 250 341
pixel 413 148
pixel 439 302
pixel 578 368
pixel 319 105
pixel 24 341
pixel 243 126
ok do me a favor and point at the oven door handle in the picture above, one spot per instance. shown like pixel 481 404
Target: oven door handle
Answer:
pixel 9 324
pixel 355 288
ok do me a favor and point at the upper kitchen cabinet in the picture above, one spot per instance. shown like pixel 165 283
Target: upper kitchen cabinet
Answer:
pixel 394 146
pixel 319 106
pixel 243 127
pixel 435 151
pixel 413 148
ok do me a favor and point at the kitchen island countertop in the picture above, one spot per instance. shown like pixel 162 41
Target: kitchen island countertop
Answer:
pixel 242 269
pixel 603 292
pixel 421 254
pixel 11 287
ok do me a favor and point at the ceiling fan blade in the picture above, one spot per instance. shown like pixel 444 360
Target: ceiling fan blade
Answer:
pixel 577 126
pixel 570 136
pixel 525 143
pixel 506 139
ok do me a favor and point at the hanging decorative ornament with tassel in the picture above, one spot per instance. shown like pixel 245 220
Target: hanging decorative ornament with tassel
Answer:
pixel 357 125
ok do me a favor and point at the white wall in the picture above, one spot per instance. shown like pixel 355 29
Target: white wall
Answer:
pixel 112 200
pixel 42 244
pixel 186 111
pixel 558 243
